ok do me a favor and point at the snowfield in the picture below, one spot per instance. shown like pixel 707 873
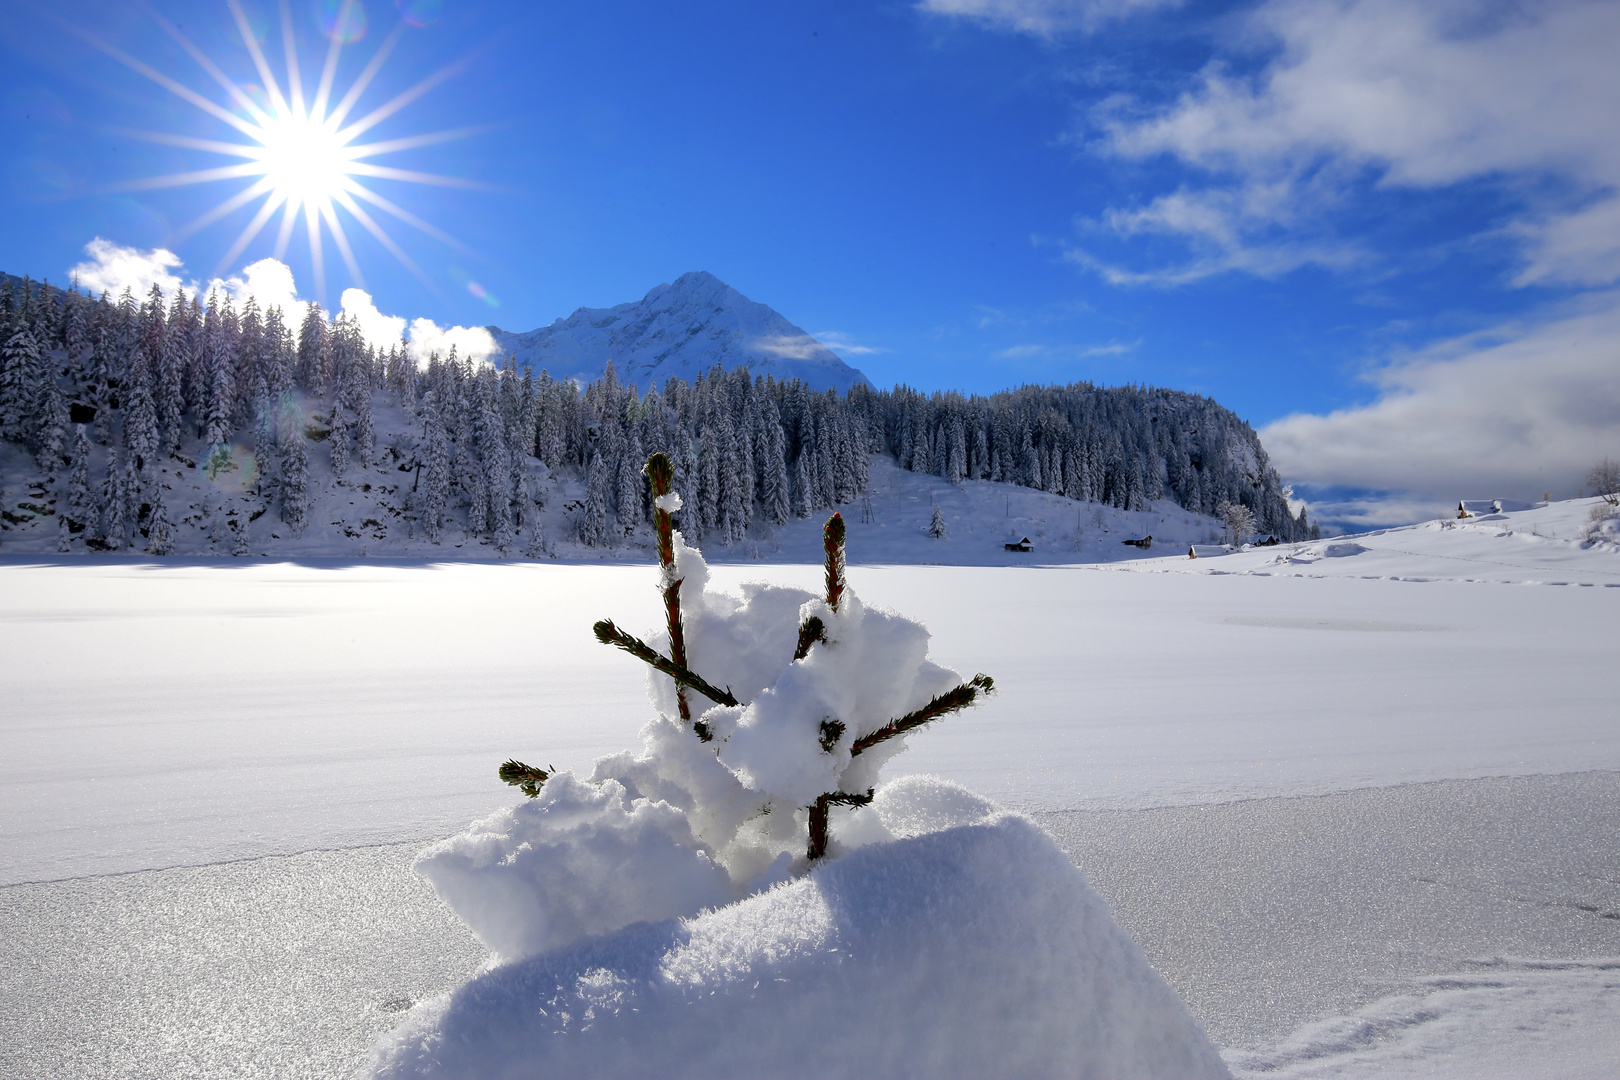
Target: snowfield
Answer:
pixel 194 713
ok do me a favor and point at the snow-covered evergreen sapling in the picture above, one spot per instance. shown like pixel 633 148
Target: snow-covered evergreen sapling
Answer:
pixel 807 737
pixel 936 527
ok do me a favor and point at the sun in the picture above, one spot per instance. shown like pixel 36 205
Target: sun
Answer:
pixel 304 161
pixel 301 158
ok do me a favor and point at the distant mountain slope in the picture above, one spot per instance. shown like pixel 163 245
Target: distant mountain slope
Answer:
pixel 684 329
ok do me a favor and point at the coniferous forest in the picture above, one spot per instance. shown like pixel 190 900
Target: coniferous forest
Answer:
pixel 107 404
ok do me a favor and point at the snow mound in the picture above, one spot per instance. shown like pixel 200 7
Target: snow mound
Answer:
pixel 960 943
pixel 579 860
pixel 1341 550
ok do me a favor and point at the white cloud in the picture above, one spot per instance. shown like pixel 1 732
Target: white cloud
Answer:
pixel 1576 248
pixel 113 268
pixel 470 342
pixel 1520 410
pixel 1042 18
pixel 270 282
pixel 1244 228
pixel 1420 95
pixel 1040 351
pixel 790 346
pixel 381 331
pixel 844 343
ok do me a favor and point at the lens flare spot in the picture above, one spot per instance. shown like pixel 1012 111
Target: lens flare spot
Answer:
pixel 483 294
pixel 341 20
pixel 420 12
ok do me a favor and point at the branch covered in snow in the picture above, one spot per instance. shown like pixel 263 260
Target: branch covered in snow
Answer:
pixel 943 705
pixel 526 778
pixel 832 540
pixel 608 634
pixel 810 632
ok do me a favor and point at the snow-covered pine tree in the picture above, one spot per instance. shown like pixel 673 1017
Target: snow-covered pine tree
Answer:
pixel 141 425
pixel 311 346
pixel 266 457
pixel 536 548
pixel 495 458
pixel 53 424
pixel 630 484
pixel 433 473
pixel 219 366
pixel 294 468
pixel 337 438
pixel 114 529
pixel 77 508
pixel 593 516
pixel 22 387
pixel 936 527
pixel 159 530
pixel 365 431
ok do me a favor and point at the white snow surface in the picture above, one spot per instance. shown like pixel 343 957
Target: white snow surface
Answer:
pixel 1573 542
pixel 958 941
pixel 220 709
pixel 683 328
pixel 192 711
pixel 1502 1016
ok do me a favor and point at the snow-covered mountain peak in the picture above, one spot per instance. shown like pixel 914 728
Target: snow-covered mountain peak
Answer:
pixel 682 328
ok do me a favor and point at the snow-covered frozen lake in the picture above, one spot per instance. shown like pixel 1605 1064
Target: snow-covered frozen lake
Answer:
pixel 198 713
pixel 180 714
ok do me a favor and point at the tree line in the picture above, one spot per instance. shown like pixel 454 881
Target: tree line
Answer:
pixel 220 386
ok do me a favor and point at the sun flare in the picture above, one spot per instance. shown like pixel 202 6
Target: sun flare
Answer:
pixel 302 158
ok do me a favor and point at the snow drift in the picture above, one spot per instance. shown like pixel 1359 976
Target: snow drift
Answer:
pixel 956 941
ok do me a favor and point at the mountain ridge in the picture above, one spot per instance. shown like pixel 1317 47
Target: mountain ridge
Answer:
pixel 681 328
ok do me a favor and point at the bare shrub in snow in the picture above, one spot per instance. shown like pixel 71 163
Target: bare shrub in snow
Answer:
pixel 1602 524
pixel 1604 479
pixel 1239 522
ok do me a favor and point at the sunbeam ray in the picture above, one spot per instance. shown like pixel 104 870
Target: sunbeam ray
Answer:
pixel 213 146
pixel 369 223
pixel 383 172
pixel 247 104
pixel 289 218
pixel 201 176
pixel 248 234
pixel 341 239
pixel 289 45
pixel 178 89
pixel 411 142
pixel 240 199
pixel 271 87
pixel 406 216
pixel 366 75
pixel 400 100
pixel 316 258
pixel 323 91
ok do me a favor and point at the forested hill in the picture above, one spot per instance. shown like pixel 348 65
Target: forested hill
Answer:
pixel 187 426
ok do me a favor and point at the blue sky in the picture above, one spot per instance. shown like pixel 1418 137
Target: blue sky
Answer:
pixel 1385 233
